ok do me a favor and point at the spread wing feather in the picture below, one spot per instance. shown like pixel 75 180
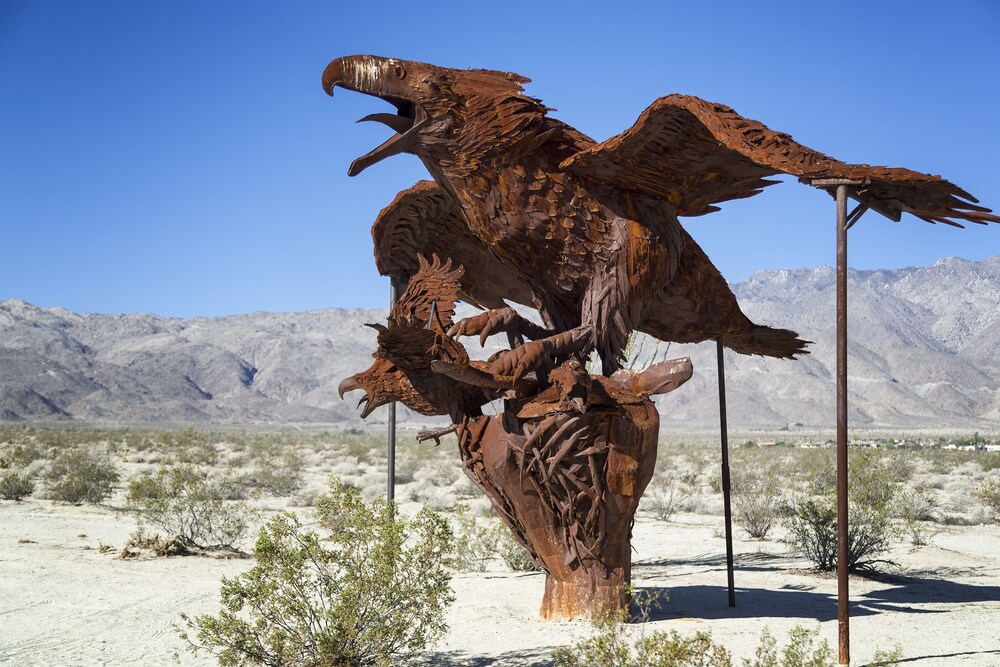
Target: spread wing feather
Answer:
pixel 695 154
pixel 424 221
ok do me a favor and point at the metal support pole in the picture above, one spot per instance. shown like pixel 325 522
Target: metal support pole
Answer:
pixel 395 288
pixel 726 486
pixel 843 614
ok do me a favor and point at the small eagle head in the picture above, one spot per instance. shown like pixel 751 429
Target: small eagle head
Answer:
pixel 411 340
pixel 442 114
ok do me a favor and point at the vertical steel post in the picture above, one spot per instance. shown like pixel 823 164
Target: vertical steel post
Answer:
pixel 843 614
pixel 727 507
pixel 394 290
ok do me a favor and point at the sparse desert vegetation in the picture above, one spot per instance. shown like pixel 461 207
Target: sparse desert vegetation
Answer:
pixel 372 591
pixel 198 488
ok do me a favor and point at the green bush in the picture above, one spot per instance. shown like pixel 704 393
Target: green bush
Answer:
pixel 80 475
pixel 15 484
pixel 876 512
pixel 374 594
pixel 276 466
pixel 476 541
pixel 512 552
pixel 610 646
pixel 668 493
pixel 182 501
pixel 988 493
pixel 757 499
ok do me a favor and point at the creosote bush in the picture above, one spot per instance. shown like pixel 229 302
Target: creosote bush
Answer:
pixel 276 466
pixel 79 475
pixel 876 513
pixel 182 501
pixel 476 541
pixel 611 646
pixel 756 498
pixel 668 493
pixel 988 493
pixel 512 552
pixel 374 593
pixel 479 541
pixel 15 484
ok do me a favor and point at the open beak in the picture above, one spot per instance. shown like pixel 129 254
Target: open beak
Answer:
pixel 366 403
pixel 383 78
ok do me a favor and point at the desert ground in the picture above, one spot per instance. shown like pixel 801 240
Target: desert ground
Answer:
pixel 67 598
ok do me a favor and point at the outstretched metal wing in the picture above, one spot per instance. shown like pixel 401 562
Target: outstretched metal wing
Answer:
pixel 695 154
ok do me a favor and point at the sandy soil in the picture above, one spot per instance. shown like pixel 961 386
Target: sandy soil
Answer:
pixel 63 602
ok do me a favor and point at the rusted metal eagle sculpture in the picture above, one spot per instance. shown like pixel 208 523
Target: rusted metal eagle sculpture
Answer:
pixel 588 232
pixel 524 208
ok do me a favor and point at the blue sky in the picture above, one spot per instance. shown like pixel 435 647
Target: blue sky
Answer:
pixel 180 157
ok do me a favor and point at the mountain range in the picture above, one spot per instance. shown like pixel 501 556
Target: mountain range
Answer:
pixel 924 353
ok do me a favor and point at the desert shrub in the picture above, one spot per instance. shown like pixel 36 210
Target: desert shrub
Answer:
pixel 511 552
pixel 875 515
pixel 182 501
pixel 756 498
pixel 917 512
pixel 817 468
pixel 78 475
pixel 476 541
pixel 668 493
pixel 411 457
pixel 22 455
pixel 367 447
pixel 374 594
pixel 142 541
pixel 610 646
pixel 276 466
pixel 988 493
pixel 15 484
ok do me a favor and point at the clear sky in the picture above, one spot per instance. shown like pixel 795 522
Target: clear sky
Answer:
pixel 181 158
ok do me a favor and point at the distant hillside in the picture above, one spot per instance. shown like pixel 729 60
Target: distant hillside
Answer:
pixel 925 353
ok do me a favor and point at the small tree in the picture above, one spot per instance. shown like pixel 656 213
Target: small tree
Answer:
pixel 81 475
pixel 181 501
pixel 373 595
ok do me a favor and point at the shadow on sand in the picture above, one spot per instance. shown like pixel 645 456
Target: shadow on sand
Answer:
pixel 900 594
pixel 711 601
pixel 538 657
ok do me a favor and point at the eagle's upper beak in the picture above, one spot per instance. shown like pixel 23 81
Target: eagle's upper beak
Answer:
pixel 388 79
pixel 367 403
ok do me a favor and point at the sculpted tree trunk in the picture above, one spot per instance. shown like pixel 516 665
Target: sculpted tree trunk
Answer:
pixel 565 470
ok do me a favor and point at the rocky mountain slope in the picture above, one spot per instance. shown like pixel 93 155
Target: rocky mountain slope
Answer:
pixel 924 353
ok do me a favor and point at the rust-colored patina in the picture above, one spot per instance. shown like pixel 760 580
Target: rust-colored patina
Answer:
pixel 524 208
pixel 588 232
pixel 564 466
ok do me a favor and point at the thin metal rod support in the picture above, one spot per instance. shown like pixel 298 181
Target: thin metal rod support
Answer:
pixel 396 288
pixel 856 214
pixel 726 485
pixel 843 597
